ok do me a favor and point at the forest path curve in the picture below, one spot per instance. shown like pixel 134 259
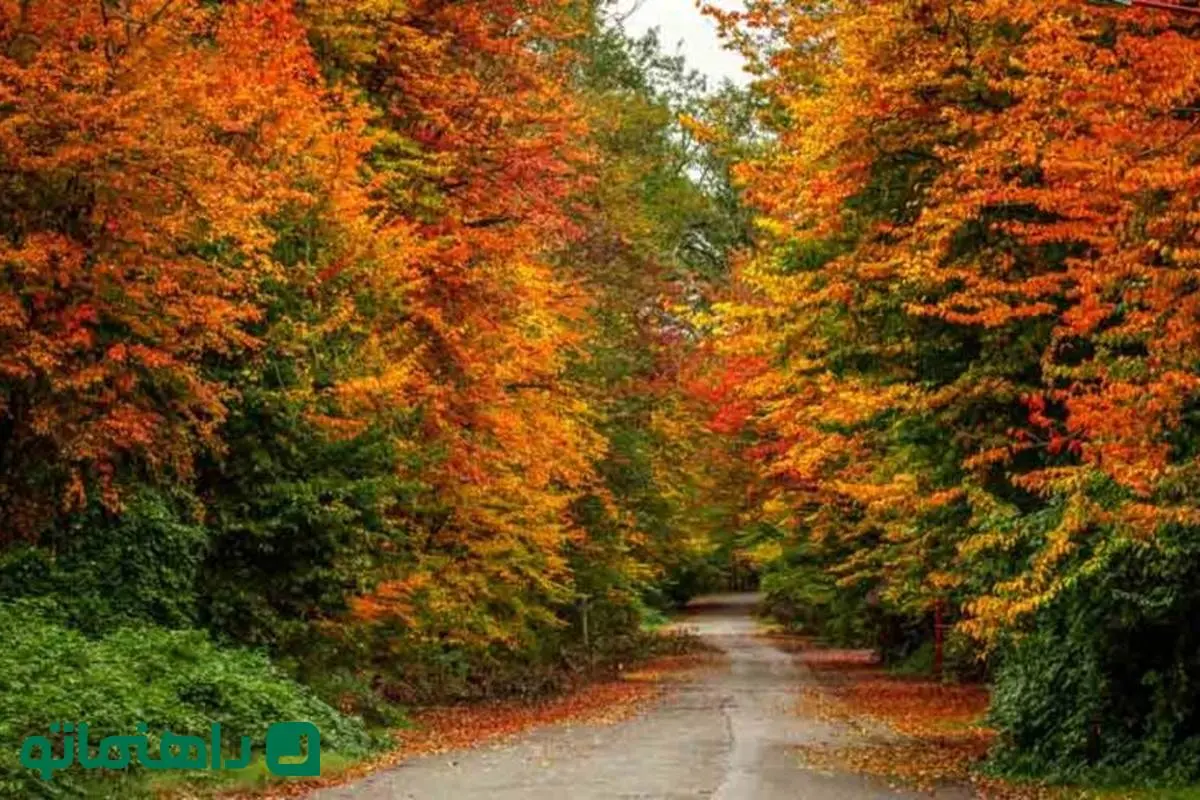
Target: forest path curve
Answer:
pixel 729 733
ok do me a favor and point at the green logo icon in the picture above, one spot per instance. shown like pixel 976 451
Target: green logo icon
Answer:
pixel 284 741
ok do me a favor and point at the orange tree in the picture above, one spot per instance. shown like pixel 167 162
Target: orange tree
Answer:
pixel 144 147
pixel 299 309
pixel 974 308
pixel 519 253
pixel 478 151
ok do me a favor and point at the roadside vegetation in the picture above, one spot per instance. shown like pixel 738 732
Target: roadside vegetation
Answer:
pixel 341 348
pixel 964 358
pixel 364 357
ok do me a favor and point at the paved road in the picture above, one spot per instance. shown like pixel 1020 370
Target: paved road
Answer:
pixel 728 734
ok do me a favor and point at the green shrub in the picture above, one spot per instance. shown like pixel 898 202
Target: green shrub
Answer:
pixel 1104 687
pixel 170 680
pixel 298 521
pixel 805 598
pixel 101 571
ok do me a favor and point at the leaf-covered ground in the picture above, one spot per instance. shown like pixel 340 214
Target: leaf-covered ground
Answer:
pixel 920 733
pixel 453 728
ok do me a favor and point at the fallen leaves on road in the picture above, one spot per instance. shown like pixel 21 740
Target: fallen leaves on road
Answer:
pixel 440 730
pixel 932 732
pixel 816 657
pixel 673 669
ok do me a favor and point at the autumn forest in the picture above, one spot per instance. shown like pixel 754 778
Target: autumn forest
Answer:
pixel 359 356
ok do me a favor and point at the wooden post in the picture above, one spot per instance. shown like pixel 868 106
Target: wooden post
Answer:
pixel 938 642
pixel 584 600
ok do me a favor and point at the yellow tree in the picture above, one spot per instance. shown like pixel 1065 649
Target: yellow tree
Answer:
pixel 480 151
pixel 979 296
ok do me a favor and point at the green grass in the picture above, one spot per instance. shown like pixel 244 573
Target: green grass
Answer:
pixel 253 776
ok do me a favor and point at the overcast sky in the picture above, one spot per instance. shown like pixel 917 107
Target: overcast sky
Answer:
pixel 680 23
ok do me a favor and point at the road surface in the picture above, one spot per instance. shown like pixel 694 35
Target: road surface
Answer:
pixel 728 734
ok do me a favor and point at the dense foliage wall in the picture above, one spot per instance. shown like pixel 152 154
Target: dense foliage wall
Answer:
pixel 349 333
pixel 967 350
pixel 352 352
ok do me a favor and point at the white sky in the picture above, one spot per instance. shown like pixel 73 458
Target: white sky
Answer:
pixel 681 24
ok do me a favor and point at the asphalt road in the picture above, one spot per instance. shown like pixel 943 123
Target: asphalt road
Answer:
pixel 728 734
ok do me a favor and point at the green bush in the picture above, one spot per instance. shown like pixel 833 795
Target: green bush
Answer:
pixel 1104 688
pixel 805 598
pixel 101 571
pixel 297 522
pixel 170 680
